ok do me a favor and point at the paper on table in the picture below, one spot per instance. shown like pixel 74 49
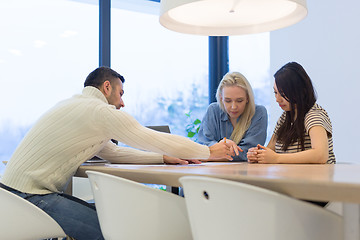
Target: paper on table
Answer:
pixel 209 163
pixel 136 166
pixel 197 164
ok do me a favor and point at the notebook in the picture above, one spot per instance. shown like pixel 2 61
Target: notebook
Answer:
pixel 160 128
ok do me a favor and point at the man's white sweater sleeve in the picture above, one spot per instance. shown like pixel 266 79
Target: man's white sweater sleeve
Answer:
pixel 124 128
pixel 116 154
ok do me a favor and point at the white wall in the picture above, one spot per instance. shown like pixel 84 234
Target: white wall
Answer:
pixel 327 44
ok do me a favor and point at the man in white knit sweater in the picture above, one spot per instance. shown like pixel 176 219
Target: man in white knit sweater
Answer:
pixel 79 128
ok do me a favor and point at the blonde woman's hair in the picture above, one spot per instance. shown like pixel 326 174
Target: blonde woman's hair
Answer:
pixel 237 79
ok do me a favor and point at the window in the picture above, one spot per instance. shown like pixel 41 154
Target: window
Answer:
pixel 250 55
pixel 49 47
pixel 166 72
pixel 46 52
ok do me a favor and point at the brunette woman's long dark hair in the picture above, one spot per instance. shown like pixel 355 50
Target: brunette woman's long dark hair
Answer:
pixel 294 84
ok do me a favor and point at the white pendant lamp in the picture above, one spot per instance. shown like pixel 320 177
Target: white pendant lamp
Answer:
pixel 230 17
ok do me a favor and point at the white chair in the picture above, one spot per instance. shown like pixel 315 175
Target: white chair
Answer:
pixel 22 220
pixel 81 189
pixel 131 210
pixel 222 209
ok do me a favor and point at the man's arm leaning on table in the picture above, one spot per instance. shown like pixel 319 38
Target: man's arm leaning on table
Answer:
pixel 116 154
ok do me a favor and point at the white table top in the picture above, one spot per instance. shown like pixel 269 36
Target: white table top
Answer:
pixel 339 182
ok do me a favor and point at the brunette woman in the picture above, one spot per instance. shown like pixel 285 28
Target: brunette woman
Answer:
pixel 303 133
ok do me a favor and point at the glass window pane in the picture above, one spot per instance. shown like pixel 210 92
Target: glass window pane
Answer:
pixel 47 49
pixel 250 55
pixel 166 72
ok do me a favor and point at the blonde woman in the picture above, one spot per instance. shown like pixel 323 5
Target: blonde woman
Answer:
pixel 234 117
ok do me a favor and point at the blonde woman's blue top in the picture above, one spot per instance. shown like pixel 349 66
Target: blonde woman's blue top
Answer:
pixel 216 125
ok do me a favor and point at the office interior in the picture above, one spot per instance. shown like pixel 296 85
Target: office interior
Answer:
pixel 325 43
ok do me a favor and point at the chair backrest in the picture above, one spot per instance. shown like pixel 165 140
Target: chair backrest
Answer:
pixel 21 220
pixel 223 209
pixel 130 210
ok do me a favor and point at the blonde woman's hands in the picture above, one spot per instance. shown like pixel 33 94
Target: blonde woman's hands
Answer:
pixel 233 146
pixel 221 150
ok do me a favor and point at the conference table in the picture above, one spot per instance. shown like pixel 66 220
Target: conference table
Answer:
pixel 315 182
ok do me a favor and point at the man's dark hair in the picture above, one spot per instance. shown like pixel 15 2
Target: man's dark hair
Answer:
pixel 97 77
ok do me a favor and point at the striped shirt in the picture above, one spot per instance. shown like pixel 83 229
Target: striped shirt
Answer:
pixel 316 116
